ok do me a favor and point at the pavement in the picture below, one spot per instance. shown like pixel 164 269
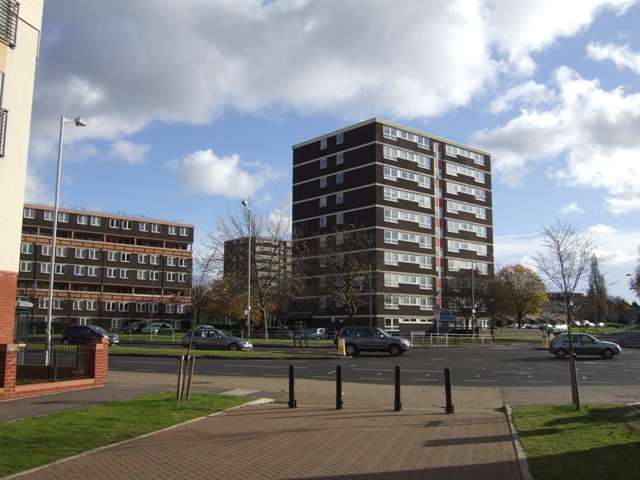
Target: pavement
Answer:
pixel 367 439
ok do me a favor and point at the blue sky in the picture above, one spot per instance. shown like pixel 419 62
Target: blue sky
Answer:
pixel 193 106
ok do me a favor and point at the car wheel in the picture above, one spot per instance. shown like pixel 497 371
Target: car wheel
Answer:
pixel 561 353
pixel 66 341
pixel 607 353
pixel 194 346
pixel 234 347
pixel 350 350
pixel 395 350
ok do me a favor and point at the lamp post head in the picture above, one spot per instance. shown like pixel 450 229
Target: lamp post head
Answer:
pixel 245 203
pixel 80 122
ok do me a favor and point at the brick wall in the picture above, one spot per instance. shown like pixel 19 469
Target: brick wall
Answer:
pixel 8 287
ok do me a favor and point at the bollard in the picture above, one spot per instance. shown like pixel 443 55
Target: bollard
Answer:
pixel 447 389
pixel 339 403
pixel 292 397
pixel 397 404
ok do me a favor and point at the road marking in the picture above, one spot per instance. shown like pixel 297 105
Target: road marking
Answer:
pixel 483 381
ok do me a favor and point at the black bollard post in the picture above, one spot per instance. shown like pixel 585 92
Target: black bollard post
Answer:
pixel 397 404
pixel 339 404
pixel 292 396
pixel 447 389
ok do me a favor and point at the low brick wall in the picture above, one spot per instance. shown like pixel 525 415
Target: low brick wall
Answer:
pixel 9 366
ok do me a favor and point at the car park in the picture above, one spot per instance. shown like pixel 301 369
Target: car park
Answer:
pixel 583 344
pixel 372 339
pixel 215 339
pixel 73 334
pixel 158 329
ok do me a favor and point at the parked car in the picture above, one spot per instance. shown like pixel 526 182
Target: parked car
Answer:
pixel 135 327
pixel 583 344
pixel 372 339
pixel 87 333
pixel 315 333
pixel 215 339
pixel 204 328
pixel 158 329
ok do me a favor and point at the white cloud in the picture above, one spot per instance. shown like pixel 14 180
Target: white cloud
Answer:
pixel 621 55
pixel 601 230
pixel 205 172
pixel 573 207
pixel 128 151
pixel 591 130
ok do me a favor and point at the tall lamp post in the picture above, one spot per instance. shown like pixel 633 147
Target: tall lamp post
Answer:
pixel 246 205
pixel 79 122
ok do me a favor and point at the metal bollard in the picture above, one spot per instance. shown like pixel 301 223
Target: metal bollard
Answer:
pixel 447 388
pixel 292 397
pixel 339 403
pixel 397 404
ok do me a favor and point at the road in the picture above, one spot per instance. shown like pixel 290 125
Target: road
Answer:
pixel 502 366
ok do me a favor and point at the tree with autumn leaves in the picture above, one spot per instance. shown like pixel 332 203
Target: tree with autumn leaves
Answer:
pixel 523 292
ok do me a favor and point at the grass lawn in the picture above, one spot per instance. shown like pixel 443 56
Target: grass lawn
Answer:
pixel 40 440
pixel 598 442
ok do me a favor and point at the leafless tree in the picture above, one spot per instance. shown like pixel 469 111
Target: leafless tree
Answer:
pixel 564 262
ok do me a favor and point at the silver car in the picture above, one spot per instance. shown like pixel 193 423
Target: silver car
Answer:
pixel 215 339
pixel 583 344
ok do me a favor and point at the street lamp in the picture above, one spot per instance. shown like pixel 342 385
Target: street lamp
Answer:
pixel 245 204
pixel 79 122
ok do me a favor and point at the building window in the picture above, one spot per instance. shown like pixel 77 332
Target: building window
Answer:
pixel 125 257
pixel 155 228
pixel 123 307
pixel 112 272
pixel 95 221
pixel 9 22
pixel 143 258
pixel 78 305
pixel 170 308
pixel 181 309
pixel 112 256
pixel 183 262
pixel 340 178
pixel 154 259
pixel 143 226
pixel 323 222
pixel 110 306
pixel 172 261
pixel 92 271
pixel 26 266
pixel 182 277
pixel 339 219
pixel 142 275
pixel 94 254
pixel 48 215
pixel 141 307
pixel 323 202
pixel 114 223
pixel 29 213
pixel 323 144
pixel 61 251
pixel 323 182
pixel 126 224
pixel 173 230
pixel 45 268
pixel 26 248
pixel 92 305
pixel 61 269
pixel 82 219
pixel 63 217
pixel 339 138
pixel 154 276
pixel 125 273
pixel 339 158
pixel 81 253
pixel 46 250
pixel 171 276
pixel 184 231
pixel 153 308
pixel 339 198
pixel 79 270
pixel 323 163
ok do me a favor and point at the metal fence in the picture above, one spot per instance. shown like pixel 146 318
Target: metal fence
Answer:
pixel 63 362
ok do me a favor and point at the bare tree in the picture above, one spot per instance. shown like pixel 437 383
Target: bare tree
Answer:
pixel 338 269
pixel 269 237
pixel 634 281
pixel 564 262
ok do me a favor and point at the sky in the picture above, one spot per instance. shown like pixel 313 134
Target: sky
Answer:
pixel 193 106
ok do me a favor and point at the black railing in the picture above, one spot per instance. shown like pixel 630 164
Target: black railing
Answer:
pixel 9 10
pixel 65 362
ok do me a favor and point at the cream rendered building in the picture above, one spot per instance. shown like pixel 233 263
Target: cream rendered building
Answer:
pixel 20 25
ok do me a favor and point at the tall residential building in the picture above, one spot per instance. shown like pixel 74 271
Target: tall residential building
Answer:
pixel 424 201
pixel 19 42
pixel 110 269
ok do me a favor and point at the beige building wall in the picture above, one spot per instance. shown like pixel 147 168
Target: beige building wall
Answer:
pixel 18 66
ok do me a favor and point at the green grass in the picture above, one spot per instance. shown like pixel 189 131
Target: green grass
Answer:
pixel 40 440
pixel 598 442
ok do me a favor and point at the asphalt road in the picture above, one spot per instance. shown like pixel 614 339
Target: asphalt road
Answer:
pixel 502 366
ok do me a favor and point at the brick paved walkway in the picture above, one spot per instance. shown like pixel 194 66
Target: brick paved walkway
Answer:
pixel 275 442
